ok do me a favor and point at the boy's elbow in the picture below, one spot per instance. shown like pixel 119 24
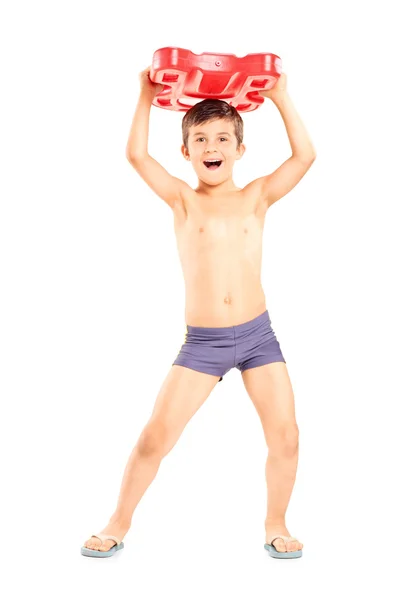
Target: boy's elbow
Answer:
pixel 129 155
pixel 311 157
pixel 134 157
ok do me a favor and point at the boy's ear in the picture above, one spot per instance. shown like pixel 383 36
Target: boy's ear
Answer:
pixel 241 150
pixel 185 152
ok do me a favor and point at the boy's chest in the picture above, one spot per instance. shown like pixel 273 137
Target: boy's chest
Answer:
pixel 222 229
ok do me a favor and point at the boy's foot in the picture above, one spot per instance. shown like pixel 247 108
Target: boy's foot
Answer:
pixel 273 530
pixel 113 528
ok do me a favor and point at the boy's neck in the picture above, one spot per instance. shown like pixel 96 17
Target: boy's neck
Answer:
pixel 225 187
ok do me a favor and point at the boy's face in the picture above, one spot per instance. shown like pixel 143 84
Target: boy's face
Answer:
pixel 214 140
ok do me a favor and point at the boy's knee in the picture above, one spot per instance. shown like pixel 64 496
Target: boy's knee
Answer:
pixel 284 440
pixel 154 439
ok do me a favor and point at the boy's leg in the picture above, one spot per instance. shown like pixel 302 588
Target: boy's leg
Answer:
pixel 181 395
pixel 270 390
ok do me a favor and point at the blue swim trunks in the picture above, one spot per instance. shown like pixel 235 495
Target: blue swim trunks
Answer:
pixel 216 350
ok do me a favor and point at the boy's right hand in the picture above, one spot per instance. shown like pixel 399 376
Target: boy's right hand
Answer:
pixel 148 85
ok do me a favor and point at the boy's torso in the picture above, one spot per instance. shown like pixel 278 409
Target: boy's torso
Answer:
pixel 220 248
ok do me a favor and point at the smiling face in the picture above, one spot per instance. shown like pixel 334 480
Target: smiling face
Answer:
pixel 213 141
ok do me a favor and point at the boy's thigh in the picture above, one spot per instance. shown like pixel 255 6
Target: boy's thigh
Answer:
pixel 181 395
pixel 270 389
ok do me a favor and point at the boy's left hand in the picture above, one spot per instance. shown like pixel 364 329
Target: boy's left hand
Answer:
pixel 279 88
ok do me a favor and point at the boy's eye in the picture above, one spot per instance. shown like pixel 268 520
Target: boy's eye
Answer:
pixel 221 138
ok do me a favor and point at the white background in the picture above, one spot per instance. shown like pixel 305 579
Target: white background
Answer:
pixel 92 307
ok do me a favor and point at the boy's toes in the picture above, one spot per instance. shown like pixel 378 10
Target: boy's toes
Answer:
pixel 280 545
pixel 92 544
pixel 293 546
pixel 96 544
pixel 290 546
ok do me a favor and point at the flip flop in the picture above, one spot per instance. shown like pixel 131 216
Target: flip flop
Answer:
pixel 102 553
pixel 274 552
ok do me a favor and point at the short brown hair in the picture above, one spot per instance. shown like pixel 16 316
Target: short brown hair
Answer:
pixel 210 110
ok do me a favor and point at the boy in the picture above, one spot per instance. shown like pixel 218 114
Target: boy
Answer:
pixel 219 236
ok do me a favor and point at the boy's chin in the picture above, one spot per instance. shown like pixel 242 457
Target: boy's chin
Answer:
pixel 213 175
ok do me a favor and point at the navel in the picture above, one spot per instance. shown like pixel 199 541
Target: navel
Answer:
pixel 201 229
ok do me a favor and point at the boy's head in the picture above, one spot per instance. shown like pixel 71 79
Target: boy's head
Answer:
pixel 212 129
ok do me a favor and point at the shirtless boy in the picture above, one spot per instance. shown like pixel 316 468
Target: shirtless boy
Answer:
pixel 219 230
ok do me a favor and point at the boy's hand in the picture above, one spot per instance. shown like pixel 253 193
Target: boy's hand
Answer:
pixel 278 90
pixel 148 85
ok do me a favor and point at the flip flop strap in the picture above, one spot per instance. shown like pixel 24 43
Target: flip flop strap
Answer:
pixel 104 537
pixel 285 538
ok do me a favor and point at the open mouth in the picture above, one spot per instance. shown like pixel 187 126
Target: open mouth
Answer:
pixel 212 165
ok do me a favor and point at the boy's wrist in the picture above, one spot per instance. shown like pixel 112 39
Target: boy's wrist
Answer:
pixel 147 93
pixel 280 97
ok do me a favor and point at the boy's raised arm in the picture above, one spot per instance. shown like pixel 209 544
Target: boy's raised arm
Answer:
pixel 166 186
pixel 139 133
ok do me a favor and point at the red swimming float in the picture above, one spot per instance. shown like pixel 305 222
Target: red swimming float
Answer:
pixel 189 78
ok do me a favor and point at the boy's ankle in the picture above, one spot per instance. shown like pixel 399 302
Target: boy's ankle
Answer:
pixel 120 522
pixel 275 521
